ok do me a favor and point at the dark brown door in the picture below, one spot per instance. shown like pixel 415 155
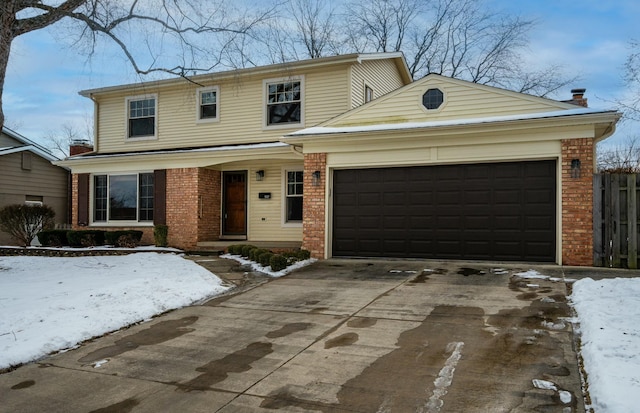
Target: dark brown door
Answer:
pixel 234 220
pixel 494 211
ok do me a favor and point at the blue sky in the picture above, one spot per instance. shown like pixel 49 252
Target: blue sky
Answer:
pixel 589 38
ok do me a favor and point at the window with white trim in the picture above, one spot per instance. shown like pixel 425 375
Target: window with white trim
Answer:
pixel 141 116
pixel 123 197
pixel 208 104
pixel 293 193
pixel 368 94
pixel 284 102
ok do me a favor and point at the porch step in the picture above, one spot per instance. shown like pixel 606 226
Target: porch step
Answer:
pixel 221 246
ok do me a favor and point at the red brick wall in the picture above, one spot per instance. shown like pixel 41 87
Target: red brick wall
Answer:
pixel 182 207
pixel 313 230
pixel 74 201
pixel 210 204
pixel 577 203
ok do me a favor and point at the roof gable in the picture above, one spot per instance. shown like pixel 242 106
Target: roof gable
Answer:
pixel 462 100
pixel 14 142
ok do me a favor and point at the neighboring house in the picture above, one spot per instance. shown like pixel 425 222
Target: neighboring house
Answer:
pixel 295 154
pixel 27 175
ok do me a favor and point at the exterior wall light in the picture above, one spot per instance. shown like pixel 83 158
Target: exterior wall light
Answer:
pixel 575 168
pixel 315 178
pixel 260 175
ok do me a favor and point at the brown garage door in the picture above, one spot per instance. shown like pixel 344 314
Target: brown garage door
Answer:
pixel 493 211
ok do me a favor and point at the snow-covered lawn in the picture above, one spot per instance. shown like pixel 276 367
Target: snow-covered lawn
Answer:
pixel 609 326
pixel 50 304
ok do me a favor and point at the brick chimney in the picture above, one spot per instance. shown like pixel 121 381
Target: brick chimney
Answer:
pixel 80 146
pixel 578 98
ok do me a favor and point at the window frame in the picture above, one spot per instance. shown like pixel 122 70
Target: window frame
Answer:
pixel 127 112
pixel 108 221
pixel 286 196
pixel 199 92
pixel 442 104
pixel 265 103
pixel 368 93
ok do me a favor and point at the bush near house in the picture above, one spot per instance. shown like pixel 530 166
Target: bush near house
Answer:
pixel 123 239
pixel 86 238
pixel 267 258
pixel 53 238
pixel 160 235
pixel 23 222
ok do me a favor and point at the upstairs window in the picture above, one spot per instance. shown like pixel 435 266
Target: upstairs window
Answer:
pixel 208 102
pixel 141 116
pixel 123 197
pixel 368 94
pixel 294 193
pixel 284 102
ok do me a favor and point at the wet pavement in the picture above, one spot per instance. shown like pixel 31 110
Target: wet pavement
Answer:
pixel 338 336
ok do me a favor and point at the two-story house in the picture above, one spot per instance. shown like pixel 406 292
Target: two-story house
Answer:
pixel 27 175
pixel 345 156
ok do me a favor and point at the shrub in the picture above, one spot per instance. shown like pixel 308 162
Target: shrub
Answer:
pixel 304 255
pixel 53 238
pixel 23 222
pixel 246 249
pixel 123 239
pixel 86 238
pixel 278 262
pixel 235 249
pixel 160 234
pixel 265 258
pixel 255 253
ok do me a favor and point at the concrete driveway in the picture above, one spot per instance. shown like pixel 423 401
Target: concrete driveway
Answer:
pixel 338 336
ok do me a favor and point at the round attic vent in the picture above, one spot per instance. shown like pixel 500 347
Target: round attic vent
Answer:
pixel 432 99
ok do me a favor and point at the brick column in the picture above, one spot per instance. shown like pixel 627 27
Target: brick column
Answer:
pixel 577 202
pixel 182 207
pixel 210 201
pixel 74 201
pixel 313 207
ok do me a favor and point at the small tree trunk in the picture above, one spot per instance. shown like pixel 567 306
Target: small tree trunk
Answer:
pixel 7 21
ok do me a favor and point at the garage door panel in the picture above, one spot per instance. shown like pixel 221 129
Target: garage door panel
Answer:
pixel 500 211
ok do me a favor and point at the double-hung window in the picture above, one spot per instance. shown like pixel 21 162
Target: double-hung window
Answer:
pixel 123 197
pixel 208 104
pixel 294 192
pixel 141 116
pixel 284 102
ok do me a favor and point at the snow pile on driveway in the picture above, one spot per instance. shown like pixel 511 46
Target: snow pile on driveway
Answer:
pixel 609 325
pixel 50 304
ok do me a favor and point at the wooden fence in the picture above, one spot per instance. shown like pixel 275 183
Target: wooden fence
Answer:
pixel 615 220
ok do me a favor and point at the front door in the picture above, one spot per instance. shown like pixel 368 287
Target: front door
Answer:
pixel 234 218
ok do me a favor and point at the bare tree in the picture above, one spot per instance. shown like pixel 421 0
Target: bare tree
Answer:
pixel 59 141
pixel 457 38
pixel 623 158
pixel 631 104
pixel 178 37
pixel 315 23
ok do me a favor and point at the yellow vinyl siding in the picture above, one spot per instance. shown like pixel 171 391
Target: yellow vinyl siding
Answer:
pixel 265 216
pixel 241 112
pixel 380 75
pixel 462 101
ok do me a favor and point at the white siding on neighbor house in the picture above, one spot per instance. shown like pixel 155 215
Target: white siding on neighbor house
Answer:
pixel 241 111
pixel 380 75
pixel 265 216
pixel 461 101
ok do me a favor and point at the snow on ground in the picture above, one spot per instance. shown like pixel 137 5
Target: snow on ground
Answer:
pixel 267 270
pixel 609 325
pixel 49 304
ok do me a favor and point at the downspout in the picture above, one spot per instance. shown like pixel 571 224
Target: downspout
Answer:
pixel 96 118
